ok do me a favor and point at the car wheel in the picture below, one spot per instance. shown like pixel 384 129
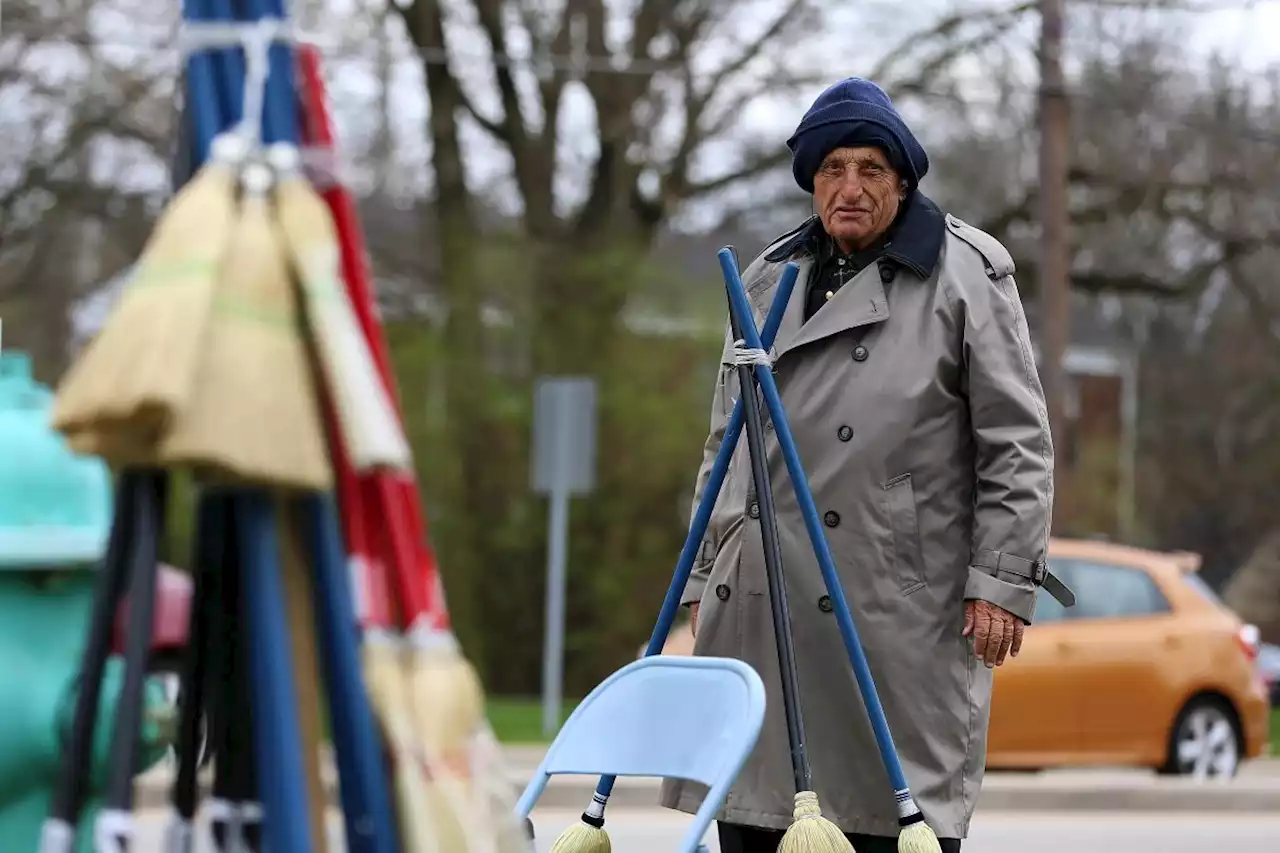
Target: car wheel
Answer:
pixel 1206 742
pixel 167 671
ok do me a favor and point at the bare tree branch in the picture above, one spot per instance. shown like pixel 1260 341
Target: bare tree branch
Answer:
pixel 677 181
pixel 512 127
pixel 945 39
pixel 755 165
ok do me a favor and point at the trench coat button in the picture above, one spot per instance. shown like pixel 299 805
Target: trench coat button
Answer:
pixel 860 353
pixel 831 519
pixel 844 433
pixel 825 605
pixel 754 510
pixel 887 273
pixel 768 427
pixel 722 592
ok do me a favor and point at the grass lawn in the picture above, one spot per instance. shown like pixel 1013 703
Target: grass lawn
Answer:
pixel 518 719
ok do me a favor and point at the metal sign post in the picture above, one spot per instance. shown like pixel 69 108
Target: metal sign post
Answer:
pixel 564 458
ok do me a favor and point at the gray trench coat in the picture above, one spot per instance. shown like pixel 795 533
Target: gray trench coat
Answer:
pixel 918 414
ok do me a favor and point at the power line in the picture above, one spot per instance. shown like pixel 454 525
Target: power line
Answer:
pixel 571 63
pixel 576 65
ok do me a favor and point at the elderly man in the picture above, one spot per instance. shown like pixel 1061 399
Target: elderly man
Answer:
pixel 906 369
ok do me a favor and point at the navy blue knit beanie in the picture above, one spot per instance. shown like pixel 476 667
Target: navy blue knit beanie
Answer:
pixel 854 112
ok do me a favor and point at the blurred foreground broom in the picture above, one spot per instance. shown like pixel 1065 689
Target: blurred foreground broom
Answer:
pixel 127 386
pixel 469 804
pixel 253 415
pixel 371 432
pixel 364 434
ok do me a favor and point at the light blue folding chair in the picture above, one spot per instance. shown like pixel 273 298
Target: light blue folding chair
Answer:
pixel 676 717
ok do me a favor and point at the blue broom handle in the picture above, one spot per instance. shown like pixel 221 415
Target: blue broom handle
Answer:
pixel 286 821
pixel 368 817
pixel 203 108
pixel 711 492
pixel 229 65
pixel 795 470
pixel 366 799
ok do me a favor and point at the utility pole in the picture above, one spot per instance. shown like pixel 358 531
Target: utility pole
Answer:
pixel 1055 251
pixel 383 147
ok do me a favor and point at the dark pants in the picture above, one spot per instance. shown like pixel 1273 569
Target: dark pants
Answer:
pixel 747 839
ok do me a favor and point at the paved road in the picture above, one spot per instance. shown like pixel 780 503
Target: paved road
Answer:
pixel 657 831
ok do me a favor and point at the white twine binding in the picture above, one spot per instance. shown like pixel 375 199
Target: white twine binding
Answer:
pixel 255 38
pixel 743 354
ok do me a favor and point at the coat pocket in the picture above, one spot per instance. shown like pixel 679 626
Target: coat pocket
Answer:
pixel 907 553
pixel 719 631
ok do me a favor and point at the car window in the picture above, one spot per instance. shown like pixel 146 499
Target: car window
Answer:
pixel 1197 583
pixel 1047 608
pixel 1106 591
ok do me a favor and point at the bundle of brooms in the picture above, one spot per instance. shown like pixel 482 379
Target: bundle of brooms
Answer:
pixel 231 336
pixel 214 355
pixel 215 359
pixel 454 792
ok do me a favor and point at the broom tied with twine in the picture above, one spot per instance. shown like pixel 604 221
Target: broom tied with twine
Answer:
pixel 253 415
pixel 915 835
pixel 809 832
pixel 383 672
pixel 248 417
pixel 589 835
pixel 370 424
pixel 342 365
pixel 371 432
pixel 127 387
pixel 116 399
pixel 469 799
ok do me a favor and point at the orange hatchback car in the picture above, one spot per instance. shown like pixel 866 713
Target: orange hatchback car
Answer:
pixel 1149 669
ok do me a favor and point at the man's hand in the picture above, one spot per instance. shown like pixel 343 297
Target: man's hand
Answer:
pixel 996 632
pixel 693 618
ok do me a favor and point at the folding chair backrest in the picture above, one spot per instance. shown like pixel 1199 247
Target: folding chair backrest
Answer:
pixel 691 718
pixel 679 717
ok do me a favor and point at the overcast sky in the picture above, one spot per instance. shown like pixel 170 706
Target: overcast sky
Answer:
pixel 1248 34
pixel 857 36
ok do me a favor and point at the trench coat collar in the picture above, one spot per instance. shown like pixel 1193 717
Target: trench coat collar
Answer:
pixel 915 244
pixel 915 239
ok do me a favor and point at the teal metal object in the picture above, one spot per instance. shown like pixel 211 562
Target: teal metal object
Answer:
pixel 55 506
pixel 55 516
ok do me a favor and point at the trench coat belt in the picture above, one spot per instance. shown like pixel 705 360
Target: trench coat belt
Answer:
pixel 1036 571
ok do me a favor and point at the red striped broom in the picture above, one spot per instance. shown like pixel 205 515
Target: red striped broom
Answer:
pixel 469 802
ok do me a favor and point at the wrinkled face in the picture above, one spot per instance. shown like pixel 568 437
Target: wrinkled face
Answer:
pixel 857 194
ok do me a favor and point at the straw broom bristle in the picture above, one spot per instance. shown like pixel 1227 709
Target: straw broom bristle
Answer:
pixel 447 694
pixel 370 426
pixel 448 704
pixel 583 838
pixel 384 679
pixel 497 796
pixel 137 372
pixel 113 442
pixel 918 838
pixel 254 414
pixel 811 832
